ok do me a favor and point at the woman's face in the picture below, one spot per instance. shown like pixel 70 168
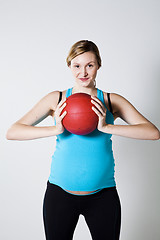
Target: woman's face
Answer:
pixel 84 68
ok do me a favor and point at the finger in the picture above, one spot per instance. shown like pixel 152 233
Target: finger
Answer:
pixel 63 115
pixel 94 98
pixel 62 107
pixel 61 102
pixel 99 107
pixel 96 111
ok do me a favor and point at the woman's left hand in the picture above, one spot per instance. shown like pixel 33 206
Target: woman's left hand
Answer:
pixel 101 111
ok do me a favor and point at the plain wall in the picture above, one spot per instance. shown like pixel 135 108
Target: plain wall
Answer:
pixel 35 38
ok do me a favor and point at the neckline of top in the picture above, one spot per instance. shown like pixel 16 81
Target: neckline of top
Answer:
pixel 71 90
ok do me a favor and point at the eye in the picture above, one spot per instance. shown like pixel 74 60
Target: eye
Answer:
pixel 90 65
pixel 77 66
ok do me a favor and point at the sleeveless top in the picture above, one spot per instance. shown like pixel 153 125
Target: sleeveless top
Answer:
pixel 84 162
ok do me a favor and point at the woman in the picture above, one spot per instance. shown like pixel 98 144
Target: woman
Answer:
pixel 82 179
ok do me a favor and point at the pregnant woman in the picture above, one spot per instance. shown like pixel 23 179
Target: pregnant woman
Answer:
pixel 82 177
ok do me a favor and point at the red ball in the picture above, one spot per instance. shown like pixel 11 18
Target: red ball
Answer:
pixel 80 118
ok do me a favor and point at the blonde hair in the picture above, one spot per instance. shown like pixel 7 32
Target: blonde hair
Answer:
pixel 82 47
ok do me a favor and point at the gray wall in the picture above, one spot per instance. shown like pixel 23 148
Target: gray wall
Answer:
pixel 35 39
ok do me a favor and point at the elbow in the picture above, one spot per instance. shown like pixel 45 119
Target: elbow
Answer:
pixel 153 132
pixel 156 134
pixel 11 134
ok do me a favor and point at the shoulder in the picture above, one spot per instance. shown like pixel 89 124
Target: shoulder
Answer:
pixel 114 97
pixel 125 110
pixel 117 101
pixel 53 98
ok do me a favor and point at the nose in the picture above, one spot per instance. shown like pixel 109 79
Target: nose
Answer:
pixel 84 72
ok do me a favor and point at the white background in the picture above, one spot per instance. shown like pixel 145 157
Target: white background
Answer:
pixel 35 38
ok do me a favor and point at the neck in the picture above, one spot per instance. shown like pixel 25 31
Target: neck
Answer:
pixel 89 90
pixel 84 90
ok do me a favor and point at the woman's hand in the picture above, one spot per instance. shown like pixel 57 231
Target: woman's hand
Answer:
pixel 59 126
pixel 101 111
pixel 138 126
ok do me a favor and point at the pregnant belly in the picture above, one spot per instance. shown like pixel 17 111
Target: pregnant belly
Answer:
pixel 84 175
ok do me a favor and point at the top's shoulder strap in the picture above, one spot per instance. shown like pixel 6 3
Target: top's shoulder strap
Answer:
pixel 109 102
pixel 60 96
pixel 68 92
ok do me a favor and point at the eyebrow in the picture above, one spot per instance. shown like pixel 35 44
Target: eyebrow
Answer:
pixel 87 63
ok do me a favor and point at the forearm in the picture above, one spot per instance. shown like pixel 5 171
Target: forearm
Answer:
pixel 25 132
pixel 139 131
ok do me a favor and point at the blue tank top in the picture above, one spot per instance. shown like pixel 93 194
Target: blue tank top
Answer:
pixel 84 162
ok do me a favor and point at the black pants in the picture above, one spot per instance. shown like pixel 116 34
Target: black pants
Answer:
pixel 101 210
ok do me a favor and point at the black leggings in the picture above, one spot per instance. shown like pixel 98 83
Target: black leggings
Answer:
pixel 101 210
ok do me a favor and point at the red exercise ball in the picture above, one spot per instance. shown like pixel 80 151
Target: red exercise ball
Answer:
pixel 80 118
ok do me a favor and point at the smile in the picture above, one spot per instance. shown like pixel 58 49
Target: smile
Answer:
pixel 83 79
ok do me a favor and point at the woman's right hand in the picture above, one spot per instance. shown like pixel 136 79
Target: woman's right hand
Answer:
pixel 58 117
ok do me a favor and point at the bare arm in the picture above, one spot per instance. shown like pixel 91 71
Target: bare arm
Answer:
pixel 138 126
pixel 25 129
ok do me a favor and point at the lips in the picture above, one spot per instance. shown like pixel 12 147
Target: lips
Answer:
pixel 84 79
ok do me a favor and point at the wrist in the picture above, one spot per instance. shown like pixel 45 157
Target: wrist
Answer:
pixel 108 128
pixel 57 131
